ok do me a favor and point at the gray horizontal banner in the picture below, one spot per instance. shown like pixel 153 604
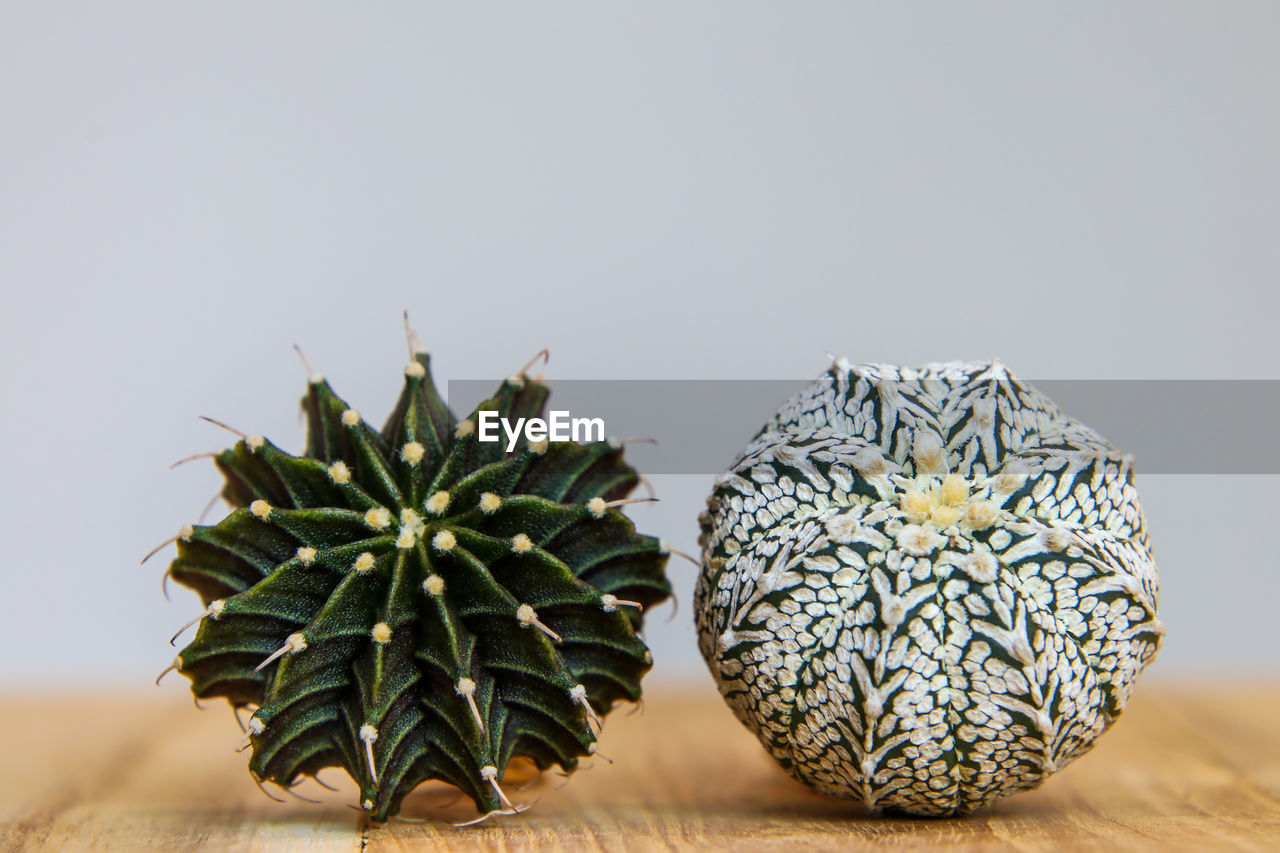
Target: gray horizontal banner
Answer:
pixel 1172 426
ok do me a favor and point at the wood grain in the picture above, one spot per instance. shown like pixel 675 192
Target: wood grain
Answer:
pixel 1188 767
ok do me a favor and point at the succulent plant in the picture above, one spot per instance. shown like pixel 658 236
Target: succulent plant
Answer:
pixel 928 588
pixel 412 603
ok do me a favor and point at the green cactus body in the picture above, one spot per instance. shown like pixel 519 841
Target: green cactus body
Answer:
pixel 413 603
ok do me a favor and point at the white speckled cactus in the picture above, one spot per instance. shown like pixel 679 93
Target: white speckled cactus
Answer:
pixel 926 588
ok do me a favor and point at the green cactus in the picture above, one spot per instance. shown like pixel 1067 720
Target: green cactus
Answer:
pixel 413 603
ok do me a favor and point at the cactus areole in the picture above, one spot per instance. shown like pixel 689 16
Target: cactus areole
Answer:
pixel 411 603
pixel 926 588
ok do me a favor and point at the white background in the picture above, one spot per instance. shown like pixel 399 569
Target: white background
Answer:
pixel 711 190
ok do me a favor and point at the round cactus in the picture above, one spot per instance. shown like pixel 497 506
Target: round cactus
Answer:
pixel 926 589
pixel 412 603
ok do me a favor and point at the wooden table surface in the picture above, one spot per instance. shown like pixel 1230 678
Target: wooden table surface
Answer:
pixel 1187 767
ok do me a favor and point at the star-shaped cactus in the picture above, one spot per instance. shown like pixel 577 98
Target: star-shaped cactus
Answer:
pixel 412 603
pixel 926 588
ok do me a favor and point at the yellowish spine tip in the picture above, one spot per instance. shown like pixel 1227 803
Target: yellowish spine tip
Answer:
pixel 412 452
pixel 521 543
pixel 610 603
pixel 378 518
pixel 438 503
pixel 981 514
pixel 597 506
pixel 578 693
pixel 369 734
pixel 466 688
pixel 433 585
pixel 364 563
pixel 943 516
pixel 444 541
pixel 350 417
pixel 340 473
pixel 489 503
pixel 464 428
pixel 916 504
pixel 260 508
pixel 526 616
pixel 955 490
pixel 306 555
pixel 381 633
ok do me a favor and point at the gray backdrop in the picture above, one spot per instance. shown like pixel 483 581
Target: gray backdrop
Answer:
pixel 662 190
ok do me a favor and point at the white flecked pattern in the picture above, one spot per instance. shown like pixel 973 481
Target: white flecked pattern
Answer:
pixel 926 588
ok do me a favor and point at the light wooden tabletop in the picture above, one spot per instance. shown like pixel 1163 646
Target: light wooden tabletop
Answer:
pixel 1187 767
